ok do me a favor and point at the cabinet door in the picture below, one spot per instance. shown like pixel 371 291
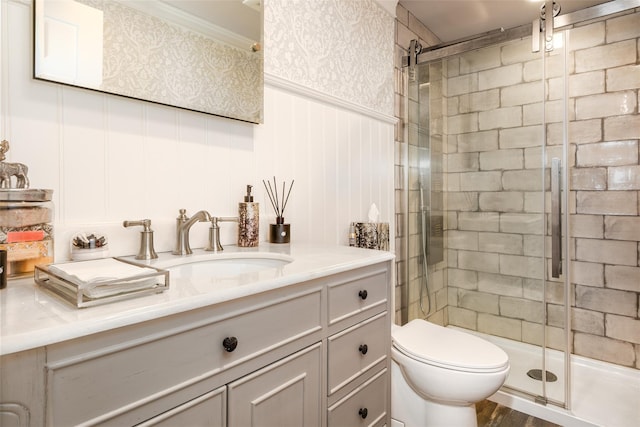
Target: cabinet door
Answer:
pixel 285 393
pixel 208 410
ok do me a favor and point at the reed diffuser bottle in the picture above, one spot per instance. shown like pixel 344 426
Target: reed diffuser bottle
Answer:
pixel 278 232
pixel 248 221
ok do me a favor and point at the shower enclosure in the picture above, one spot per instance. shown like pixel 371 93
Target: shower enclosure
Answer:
pixel 511 167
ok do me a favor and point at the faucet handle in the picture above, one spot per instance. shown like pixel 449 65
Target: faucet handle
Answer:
pixel 146 238
pixel 214 232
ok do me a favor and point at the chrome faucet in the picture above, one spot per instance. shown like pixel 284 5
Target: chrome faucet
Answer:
pixel 183 225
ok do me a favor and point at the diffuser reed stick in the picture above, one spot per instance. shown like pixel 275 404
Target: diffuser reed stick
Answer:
pixel 278 202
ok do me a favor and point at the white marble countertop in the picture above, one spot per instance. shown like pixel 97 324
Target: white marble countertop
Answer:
pixel 32 317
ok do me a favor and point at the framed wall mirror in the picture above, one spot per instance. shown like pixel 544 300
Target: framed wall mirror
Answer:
pixel 200 55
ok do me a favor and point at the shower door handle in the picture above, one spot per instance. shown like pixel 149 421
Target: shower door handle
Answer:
pixel 556 213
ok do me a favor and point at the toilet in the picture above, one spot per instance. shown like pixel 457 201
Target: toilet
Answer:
pixel 438 374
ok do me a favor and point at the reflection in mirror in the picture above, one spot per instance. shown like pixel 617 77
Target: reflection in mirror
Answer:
pixel 200 55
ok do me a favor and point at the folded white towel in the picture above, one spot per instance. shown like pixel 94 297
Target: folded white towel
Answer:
pixel 90 275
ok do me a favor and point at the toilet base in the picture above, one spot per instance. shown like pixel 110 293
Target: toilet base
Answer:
pixel 408 409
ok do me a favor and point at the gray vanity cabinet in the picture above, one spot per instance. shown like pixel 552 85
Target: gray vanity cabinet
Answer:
pixel 310 354
pixel 285 393
pixel 359 348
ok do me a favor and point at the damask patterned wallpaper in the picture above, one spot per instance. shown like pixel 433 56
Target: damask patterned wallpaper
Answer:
pixel 340 47
pixel 147 58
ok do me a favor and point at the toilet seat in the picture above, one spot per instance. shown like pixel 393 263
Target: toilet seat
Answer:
pixel 447 348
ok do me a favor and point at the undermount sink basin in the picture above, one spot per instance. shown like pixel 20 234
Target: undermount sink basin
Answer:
pixel 217 265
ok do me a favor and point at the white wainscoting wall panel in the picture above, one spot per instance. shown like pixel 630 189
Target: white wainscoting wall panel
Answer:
pixel 109 158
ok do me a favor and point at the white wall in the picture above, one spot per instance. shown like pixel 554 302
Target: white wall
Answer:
pixel 109 158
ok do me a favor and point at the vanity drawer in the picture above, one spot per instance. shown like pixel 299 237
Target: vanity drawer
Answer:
pixel 354 351
pixel 89 384
pixel 365 406
pixel 357 297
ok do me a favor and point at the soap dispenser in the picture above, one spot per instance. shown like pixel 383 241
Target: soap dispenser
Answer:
pixel 248 221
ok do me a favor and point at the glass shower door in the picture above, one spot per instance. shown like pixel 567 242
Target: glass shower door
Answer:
pixel 499 114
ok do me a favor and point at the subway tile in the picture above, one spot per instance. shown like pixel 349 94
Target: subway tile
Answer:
pixel 479 101
pixel 500 326
pixel 462 123
pixel 607 202
pixel 521 94
pixel 587 273
pixel 624 178
pixel 611 153
pixel 534 202
pixel 607 56
pixel 481 181
pixel 478 141
pixel 479 221
pixel 533 245
pixel 606 300
pixel 605 105
pixel 462 84
pixel 622 127
pixel 521 137
pixel 621 277
pixel 520 308
pixel 623 328
pixel 500 77
pixel 623 28
pixel 532 288
pixel 503 243
pixel 463 279
pixel 514 265
pixel 503 201
pixel 500 118
pixel 479 261
pixel 623 78
pixel 533 155
pixel 589 226
pixel 481 59
pixel 518 51
pixel 479 301
pixel 462 201
pixel 500 285
pixel 602 348
pixel 587 131
pixel 523 180
pixel 588 179
pixel 524 223
pixel 502 159
pixel 462 162
pixel 607 251
pixel 587 36
pixel 588 321
pixel 462 318
pixel 622 227
pixel 532 113
pixel 586 83
pixel 467 240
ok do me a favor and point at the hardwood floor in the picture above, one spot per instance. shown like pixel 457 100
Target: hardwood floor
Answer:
pixel 490 414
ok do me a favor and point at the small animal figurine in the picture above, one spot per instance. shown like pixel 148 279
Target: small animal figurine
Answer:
pixel 7 170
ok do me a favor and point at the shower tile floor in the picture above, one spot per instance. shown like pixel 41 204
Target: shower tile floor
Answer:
pixel 602 394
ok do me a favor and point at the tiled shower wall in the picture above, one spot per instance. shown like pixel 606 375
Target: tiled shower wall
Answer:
pixel 493 179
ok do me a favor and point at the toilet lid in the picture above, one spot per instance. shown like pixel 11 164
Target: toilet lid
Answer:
pixel 447 347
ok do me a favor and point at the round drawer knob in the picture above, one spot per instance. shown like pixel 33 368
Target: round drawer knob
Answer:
pixel 230 343
pixel 363 412
pixel 363 349
pixel 363 294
